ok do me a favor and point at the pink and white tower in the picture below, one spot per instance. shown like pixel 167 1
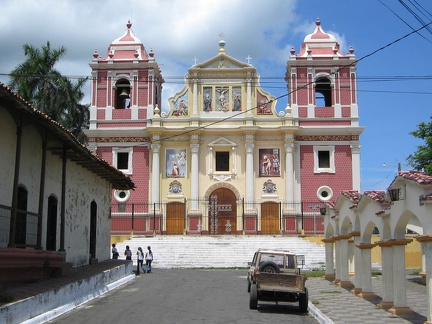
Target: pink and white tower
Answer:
pixel 323 102
pixel 125 92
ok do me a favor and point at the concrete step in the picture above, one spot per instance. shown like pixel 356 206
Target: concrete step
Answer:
pixel 229 251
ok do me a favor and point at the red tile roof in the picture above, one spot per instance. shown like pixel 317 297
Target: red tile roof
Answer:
pixel 378 195
pixel 416 176
pixel 352 195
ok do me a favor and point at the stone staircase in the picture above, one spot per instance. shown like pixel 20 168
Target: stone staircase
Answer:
pixel 172 251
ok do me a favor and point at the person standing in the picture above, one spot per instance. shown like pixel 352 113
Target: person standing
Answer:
pixel 114 251
pixel 128 253
pixel 149 259
pixel 140 260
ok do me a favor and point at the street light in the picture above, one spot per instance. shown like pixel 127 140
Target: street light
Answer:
pixel 399 166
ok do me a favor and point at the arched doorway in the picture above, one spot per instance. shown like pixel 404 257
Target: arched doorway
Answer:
pixel 270 218
pixel 222 212
pixel 175 218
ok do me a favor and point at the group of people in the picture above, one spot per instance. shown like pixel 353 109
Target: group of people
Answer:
pixel 141 256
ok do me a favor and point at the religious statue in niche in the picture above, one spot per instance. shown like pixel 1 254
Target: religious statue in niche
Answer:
pixel 175 188
pixel 207 99
pixel 181 106
pixel 236 99
pixel 263 105
pixel 269 187
pixel 175 163
pixel 269 162
pixel 222 103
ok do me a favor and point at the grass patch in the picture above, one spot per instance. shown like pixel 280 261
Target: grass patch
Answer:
pixel 376 273
pixel 313 273
pixel 330 292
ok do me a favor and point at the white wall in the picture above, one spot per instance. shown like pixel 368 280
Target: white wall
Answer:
pixel 82 187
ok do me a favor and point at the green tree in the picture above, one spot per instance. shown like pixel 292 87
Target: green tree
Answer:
pixel 75 116
pixel 422 158
pixel 38 82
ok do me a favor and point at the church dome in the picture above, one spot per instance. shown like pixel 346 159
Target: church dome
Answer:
pixel 127 47
pixel 320 43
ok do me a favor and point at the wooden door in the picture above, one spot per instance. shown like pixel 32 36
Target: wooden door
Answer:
pixel 270 218
pixel 175 218
pixel 222 212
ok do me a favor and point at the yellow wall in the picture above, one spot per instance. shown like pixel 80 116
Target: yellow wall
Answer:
pixel 413 255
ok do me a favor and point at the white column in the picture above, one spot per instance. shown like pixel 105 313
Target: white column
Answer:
pixel 351 249
pixel 195 97
pixel 249 98
pixel 329 259
pixel 150 91
pixel 399 279
pixel 426 242
pixel 250 185
pixel 338 261
pixel 289 172
pixel 366 274
pixel 194 176
pixel 358 267
pixel 343 250
pixel 155 171
pixel 355 157
pixel 387 275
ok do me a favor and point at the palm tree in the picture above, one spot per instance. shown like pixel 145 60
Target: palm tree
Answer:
pixel 75 116
pixel 38 82
pixel 36 79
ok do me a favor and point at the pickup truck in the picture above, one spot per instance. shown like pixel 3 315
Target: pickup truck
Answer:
pixel 274 276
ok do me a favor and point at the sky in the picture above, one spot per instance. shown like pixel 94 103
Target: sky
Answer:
pixel 393 74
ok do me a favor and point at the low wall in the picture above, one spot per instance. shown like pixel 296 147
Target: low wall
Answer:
pixel 48 305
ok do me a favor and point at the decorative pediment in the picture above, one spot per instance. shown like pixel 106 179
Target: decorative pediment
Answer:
pixel 179 104
pixel 221 61
pixel 222 142
pixel 266 104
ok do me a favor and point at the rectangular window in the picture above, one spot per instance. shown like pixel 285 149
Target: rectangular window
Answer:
pixel 222 161
pixel 122 160
pixel 323 159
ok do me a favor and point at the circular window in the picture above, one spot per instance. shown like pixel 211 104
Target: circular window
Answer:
pixel 121 196
pixel 324 193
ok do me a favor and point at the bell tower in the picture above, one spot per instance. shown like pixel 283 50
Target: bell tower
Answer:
pixel 126 87
pixel 323 101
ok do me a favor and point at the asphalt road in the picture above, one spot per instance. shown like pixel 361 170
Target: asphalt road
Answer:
pixel 183 296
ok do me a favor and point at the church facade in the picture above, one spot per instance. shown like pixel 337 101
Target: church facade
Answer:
pixel 222 159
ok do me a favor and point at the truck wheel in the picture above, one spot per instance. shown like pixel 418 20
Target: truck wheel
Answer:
pixel 303 301
pixel 253 297
pixel 269 267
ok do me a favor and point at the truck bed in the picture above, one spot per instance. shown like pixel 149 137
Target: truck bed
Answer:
pixel 282 282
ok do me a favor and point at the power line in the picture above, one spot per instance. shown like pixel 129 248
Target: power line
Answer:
pixel 307 84
pixel 303 86
pixel 406 23
pixel 416 16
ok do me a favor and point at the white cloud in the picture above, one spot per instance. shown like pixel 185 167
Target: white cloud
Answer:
pixel 178 31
